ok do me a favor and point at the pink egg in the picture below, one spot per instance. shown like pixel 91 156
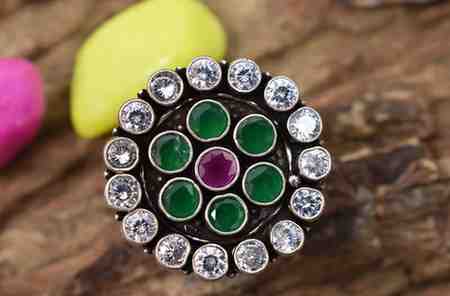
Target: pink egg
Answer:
pixel 21 106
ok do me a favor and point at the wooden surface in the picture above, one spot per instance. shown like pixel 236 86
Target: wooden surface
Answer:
pixel 381 79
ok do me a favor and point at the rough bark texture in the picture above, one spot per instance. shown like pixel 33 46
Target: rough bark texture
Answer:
pixel 380 78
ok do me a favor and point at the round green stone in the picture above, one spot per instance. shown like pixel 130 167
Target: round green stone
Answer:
pixel 226 214
pixel 180 199
pixel 255 135
pixel 170 152
pixel 208 120
pixel 263 183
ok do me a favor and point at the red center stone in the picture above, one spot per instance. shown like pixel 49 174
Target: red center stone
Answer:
pixel 217 168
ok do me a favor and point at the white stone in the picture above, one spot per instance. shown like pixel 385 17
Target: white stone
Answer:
pixel 172 251
pixel 305 125
pixel 136 116
pixel 286 237
pixel 244 75
pixel 204 73
pixel 121 154
pixel 307 203
pixel 251 256
pixel 140 226
pixel 123 192
pixel 165 87
pixel 210 261
pixel 314 163
pixel 281 93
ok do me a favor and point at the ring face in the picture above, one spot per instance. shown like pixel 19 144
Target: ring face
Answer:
pixel 217 168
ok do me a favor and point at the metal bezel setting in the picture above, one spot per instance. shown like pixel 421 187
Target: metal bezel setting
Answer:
pixel 233 64
pixel 215 138
pixel 300 246
pixel 236 142
pixel 155 165
pixel 185 259
pixel 176 77
pixel 215 246
pixel 199 179
pixel 164 188
pixel 302 154
pixel 189 77
pixel 152 115
pixel 105 154
pixel 297 97
pixel 139 192
pixel 298 111
pixel 244 189
pixel 133 213
pixel 218 197
pixel 265 251
pixel 304 218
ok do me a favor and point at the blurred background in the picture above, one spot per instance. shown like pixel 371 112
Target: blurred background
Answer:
pixel 377 70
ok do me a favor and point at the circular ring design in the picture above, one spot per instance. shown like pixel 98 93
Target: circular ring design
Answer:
pixel 218 168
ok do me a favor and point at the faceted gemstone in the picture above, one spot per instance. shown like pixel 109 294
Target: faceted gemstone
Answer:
pixel 304 125
pixel 180 199
pixel 210 262
pixel 170 152
pixel 165 87
pixel 244 75
pixel 251 256
pixel 136 116
pixel 314 163
pixel 172 251
pixel 121 154
pixel 140 226
pixel 286 237
pixel 226 214
pixel 281 93
pixel 123 192
pixel 264 183
pixel 255 135
pixel 204 73
pixel 208 120
pixel 307 203
pixel 217 168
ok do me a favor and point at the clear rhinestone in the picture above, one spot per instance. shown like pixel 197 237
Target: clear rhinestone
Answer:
pixel 304 125
pixel 136 116
pixel 307 203
pixel 121 154
pixel 210 262
pixel 204 73
pixel 281 93
pixel 251 256
pixel 314 163
pixel 286 237
pixel 140 226
pixel 123 192
pixel 172 251
pixel 165 87
pixel 244 75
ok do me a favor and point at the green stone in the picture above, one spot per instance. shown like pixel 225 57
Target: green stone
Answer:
pixel 180 199
pixel 170 152
pixel 264 184
pixel 115 61
pixel 208 120
pixel 255 135
pixel 226 214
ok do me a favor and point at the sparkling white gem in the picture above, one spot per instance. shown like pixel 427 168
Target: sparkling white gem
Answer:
pixel 314 163
pixel 140 226
pixel 210 262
